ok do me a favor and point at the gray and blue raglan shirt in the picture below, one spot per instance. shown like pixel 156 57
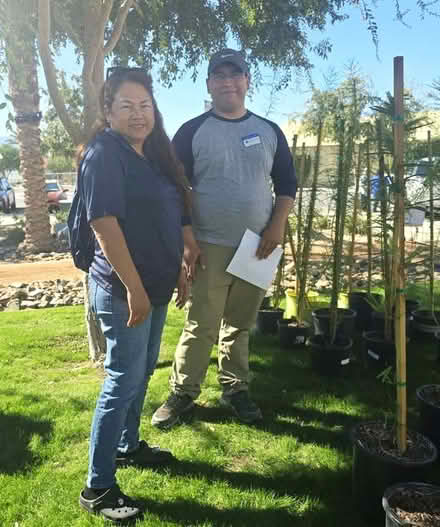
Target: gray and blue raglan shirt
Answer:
pixel 234 166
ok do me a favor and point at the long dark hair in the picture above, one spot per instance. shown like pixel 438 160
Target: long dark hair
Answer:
pixel 157 147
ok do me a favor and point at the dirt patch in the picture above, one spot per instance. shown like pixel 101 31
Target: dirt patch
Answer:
pixel 29 272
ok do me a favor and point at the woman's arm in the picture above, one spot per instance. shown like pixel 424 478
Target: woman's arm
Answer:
pixel 113 244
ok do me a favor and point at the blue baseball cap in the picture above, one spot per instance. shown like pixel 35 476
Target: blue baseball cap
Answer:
pixel 225 56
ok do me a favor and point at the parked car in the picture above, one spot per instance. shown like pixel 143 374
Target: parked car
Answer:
pixel 7 196
pixel 417 184
pixel 55 194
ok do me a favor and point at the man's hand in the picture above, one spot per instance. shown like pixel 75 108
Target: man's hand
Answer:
pixel 139 306
pixel 272 237
pixel 183 289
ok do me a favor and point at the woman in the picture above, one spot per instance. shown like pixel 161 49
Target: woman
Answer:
pixel 136 196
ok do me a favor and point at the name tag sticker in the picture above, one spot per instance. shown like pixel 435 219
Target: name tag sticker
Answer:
pixel 251 140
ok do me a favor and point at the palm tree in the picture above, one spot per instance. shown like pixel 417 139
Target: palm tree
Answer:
pixel 20 52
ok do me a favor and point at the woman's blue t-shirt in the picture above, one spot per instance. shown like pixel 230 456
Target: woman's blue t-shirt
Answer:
pixel 118 182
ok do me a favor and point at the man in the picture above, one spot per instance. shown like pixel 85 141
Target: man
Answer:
pixel 232 157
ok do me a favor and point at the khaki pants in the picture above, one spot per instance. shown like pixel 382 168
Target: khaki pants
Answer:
pixel 224 306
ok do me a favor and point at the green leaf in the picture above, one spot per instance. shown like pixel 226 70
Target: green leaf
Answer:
pixel 2 105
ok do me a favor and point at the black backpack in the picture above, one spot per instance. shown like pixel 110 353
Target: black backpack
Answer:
pixel 82 239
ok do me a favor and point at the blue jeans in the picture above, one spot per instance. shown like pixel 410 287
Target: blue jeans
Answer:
pixel 131 357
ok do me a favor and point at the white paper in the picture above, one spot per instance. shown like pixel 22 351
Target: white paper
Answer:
pixel 245 264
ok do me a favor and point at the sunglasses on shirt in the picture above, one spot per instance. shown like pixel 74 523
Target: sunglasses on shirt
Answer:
pixel 120 70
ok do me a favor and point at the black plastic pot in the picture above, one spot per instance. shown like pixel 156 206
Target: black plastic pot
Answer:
pixel 267 320
pixel 330 359
pixel 345 323
pixel 374 472
pixel 426 322
pixel 378 323
pixel 290 334
pixel 429 412
pixel 390 500
pixel 378 353
pixel 360 302
pixel 265 303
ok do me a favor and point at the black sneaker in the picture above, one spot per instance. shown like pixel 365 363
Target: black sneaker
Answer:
pixel 144 456
pixel 172 410
pixel 239 402
pixel 113 505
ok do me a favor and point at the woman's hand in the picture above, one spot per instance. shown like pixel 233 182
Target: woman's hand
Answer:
pixel 139 306
pixel 191 253
pixel 183 289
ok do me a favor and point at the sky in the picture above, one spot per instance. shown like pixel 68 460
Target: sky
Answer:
pixel 351 42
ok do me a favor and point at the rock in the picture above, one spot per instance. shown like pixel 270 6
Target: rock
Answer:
pixel 28 304
pixel 13 305
pixel 37 294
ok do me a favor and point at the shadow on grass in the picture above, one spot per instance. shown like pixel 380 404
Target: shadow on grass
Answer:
pixel 16 432
pixel 296 481
pixel 191 513
pixel 278 422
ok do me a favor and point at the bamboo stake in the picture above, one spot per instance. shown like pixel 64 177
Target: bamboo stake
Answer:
pixel 299 223
pixel 307 244
pixel 399 255
pixel 369 224
pixel 431 226
pixel 386 256
pixel 355 215
pixel 339 233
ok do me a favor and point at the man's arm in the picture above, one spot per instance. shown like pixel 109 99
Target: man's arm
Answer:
pixel 284 182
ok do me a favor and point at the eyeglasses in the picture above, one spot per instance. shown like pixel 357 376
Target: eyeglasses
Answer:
pixel 220 76
pixel 119 70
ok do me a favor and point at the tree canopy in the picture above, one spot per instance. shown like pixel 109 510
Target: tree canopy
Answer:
pixel 176 35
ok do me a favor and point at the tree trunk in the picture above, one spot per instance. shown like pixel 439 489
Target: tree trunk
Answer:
pixel 96 338
pixel 23 90
pixel 96 42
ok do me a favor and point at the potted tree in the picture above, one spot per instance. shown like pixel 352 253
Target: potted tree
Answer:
pixel 294 331
pixel 387 453
pixel 362 301
pixel 298 328
pixel 412 503
pixel 331 344
pixel 379 342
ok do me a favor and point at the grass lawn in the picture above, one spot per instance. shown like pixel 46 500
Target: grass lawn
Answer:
pixel 293 469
